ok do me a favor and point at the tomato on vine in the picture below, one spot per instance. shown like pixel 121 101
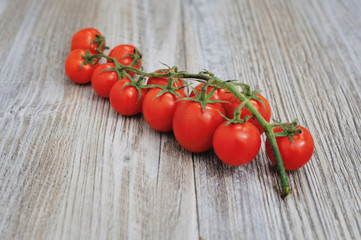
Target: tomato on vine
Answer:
pixel 86 39
pixel 78 66
pixel 236 143
pixel 158 110
pixel 102 80
pixel 127 55
pixel 125 99
pixel 195 120
pixel 295 144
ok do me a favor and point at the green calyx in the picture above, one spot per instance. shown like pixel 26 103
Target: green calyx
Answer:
pixel 170 73
pixel 165 89
pixel 168 88
pixel 89 59
pixel 203 98
pixel 288 129
pixel 136 56
pixel 138 84
pixel 119 69
pixel 100 42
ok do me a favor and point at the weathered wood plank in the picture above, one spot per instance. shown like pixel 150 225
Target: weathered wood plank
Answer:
pixel 71 168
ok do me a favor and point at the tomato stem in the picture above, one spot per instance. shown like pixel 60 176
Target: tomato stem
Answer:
pixel 203 92
pixel 135 61
pixel 237 113
pixel 170 83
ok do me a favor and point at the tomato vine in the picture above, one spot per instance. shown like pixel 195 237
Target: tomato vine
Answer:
pixel 129 64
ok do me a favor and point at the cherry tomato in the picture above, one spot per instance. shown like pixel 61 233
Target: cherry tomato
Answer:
pixel 294 155
pixel 193 128
pixel 119 53
pixel 236 144
pixel 72 66
pixel 264 111
pixel 125 100
pixel 164 81
pixel 102 81
pixel 158 112
pixel 83 40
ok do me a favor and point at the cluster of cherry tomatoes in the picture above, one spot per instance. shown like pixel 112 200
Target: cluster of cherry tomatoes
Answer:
pixel 208 117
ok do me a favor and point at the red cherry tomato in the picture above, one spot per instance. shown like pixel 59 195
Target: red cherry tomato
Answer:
pixel 164 81
pixel 119 53
pixel 72 66
pixel 125 100
pixel 158 112
pixel 193 128
pixel 236 144
pixel 294 155
pixel 264 111
pixel 102 81
pixel 83 40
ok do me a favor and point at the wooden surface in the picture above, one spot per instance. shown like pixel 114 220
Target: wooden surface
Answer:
pixel 71 168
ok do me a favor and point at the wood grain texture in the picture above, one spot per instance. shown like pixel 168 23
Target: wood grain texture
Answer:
pixel 71 168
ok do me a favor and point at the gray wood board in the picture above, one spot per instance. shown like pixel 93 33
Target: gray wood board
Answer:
pixel 72 168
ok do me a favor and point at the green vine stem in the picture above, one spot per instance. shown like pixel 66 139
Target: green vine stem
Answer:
pixel 267 127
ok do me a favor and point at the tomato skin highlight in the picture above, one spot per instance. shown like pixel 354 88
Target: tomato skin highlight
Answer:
pixel 194 128
pixel 125 100
pixel 234 103
pixel 294 155
pixel 163 81
pixel 72 66
pixel 120 51
pixel 236 144
pixel 158 112
pixel 103 81
pixel 83 40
